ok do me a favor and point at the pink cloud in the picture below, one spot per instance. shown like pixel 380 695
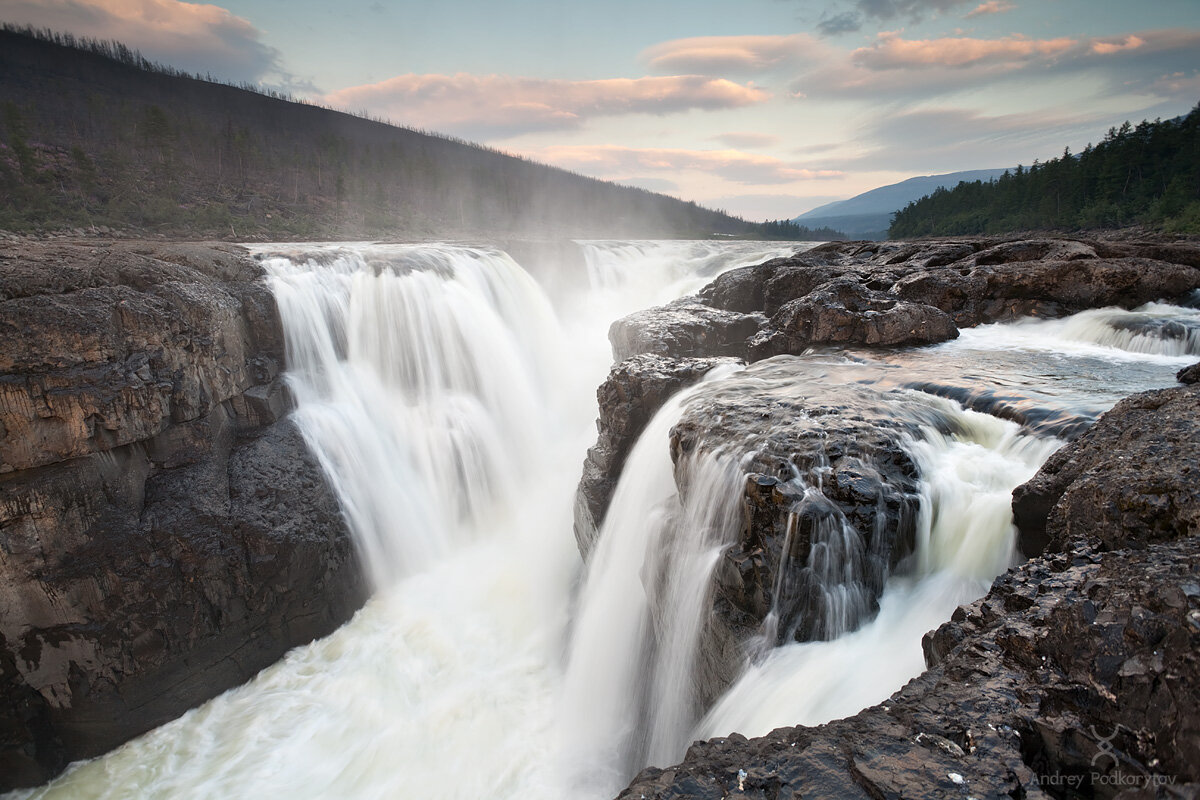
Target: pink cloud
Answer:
pixel 192 36
pixel 893 52
pixel 1104 48
pixel 710 55
pixel 991 7
pixel 614 161
pixel 502 104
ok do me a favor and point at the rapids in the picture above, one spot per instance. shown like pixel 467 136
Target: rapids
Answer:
pixel 450 404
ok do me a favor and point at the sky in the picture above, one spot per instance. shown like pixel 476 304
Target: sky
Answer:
pixel 762 108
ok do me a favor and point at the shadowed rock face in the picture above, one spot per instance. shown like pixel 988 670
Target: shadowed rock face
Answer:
pixel 633 392
pixel 882 294
pixel 164 533
pixel 1076 676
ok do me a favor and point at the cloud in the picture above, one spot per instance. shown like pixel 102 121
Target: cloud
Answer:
pixel 939 140
pixel 732 165
pixel 191 36
pixel 891 51
pixel 502 105
pixel 991 7
pixel 1108 47
pixel 747 140
pixel 711 55
pixel 895 69
pixel 912 9
pixel 846 22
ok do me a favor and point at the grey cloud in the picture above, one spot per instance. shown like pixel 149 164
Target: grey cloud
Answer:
pixel 846 22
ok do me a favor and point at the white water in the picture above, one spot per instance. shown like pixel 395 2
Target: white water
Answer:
pixel 627 699
pixel 451 409
pixel 965 538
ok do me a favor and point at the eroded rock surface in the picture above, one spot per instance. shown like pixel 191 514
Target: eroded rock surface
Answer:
pixel 1078 675
pixel 1132 479
pixel 164 533
pixel 830 495
pixel 904 293
pixel 633 392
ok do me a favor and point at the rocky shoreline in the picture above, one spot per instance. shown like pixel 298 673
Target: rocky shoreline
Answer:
pixel 1019 683
pixel 164 532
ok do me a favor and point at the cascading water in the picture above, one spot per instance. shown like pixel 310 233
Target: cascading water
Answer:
pixel 627 695
pixel 421 383
pixel 450 409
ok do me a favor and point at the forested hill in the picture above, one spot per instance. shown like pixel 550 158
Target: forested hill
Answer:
pixel 92 135
pixel 1145 175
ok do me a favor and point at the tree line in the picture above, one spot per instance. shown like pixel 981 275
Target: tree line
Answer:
pixel 1147 175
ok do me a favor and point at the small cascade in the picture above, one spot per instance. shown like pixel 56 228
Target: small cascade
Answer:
pixel 965 537
pixel 829 595
pixel 1155 330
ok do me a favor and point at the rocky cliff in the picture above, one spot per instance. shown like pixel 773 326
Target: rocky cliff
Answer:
pixel 1114 509
pixel 1076 676
pixel 164 533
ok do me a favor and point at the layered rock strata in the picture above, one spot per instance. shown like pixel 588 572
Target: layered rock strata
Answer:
pixel 164 533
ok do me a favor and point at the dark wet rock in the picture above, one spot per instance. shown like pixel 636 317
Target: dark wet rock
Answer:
pixel 904 293
pixel 635 389
pixel 1076 672
pixel 1129 481
pixel 821 458
pixel 164 533
pixel 683 329
pixel 1189 374
pixel 828 506
pixel 845 312
pixel 1076 676
pixel 974 293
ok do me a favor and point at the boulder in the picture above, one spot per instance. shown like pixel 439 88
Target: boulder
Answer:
pixel 845 312
pixel 1189 374
pixel 1128 481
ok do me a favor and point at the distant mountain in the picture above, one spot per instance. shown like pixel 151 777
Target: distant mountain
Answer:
pixel 869 214
pixel 93 135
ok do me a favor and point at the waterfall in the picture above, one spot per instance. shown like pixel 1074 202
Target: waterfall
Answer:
pixel 965 537
pixel 421 382
pixel 627 697
pixel 450 406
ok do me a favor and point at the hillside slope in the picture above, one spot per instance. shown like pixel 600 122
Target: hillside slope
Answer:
pixel 92 135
